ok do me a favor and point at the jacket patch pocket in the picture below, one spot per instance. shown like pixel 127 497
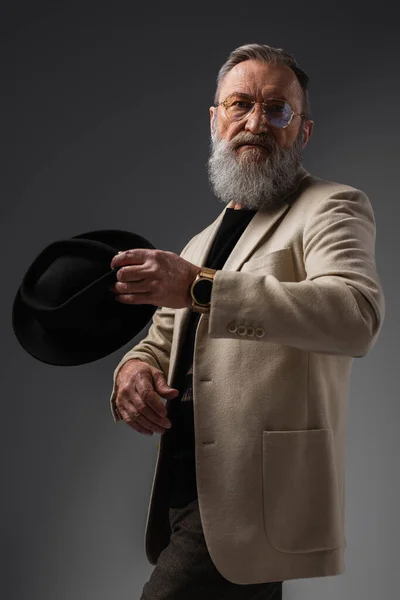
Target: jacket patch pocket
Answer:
pixel 300 491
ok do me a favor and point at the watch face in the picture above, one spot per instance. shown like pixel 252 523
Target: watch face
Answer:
pixel 202 291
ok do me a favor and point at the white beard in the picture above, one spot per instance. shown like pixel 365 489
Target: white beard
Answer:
pixel 253 178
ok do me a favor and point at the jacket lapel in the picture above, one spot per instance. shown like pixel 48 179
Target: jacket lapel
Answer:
pixel 258 228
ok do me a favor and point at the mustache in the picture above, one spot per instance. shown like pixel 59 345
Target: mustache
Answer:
pixel 242 139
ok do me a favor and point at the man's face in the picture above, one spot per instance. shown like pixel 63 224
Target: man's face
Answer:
pixel 259 174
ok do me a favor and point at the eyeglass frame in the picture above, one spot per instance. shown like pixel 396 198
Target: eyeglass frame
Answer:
pixel 254 102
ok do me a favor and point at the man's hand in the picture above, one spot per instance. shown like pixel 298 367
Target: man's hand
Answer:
pixel 138 386
pixel 156 277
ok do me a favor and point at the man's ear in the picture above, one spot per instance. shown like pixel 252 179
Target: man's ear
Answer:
pixel 212 113
pixel 308 129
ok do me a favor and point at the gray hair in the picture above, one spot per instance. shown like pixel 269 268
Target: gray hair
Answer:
pixel 267 54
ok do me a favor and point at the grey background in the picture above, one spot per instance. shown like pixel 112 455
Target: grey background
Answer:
pixel 104 116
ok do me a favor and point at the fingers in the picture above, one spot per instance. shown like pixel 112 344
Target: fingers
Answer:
pixel 131 402
pixel 139 286
pixel 134 423
pixel 145 386
pixel 161 386
pixel 131 257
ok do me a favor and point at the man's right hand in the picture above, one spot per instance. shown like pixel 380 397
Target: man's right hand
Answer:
pixel 138 387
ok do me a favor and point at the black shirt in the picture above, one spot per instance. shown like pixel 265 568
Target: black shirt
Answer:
pixel 183 470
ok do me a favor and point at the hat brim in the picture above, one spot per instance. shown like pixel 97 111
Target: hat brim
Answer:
pixel 62 348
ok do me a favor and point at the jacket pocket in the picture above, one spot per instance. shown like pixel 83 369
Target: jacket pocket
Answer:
pixel 300 491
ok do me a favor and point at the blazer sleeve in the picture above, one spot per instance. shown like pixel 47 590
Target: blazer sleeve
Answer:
pixel 338 309
pixel 154 349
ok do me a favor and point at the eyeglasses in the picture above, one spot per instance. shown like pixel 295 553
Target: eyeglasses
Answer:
pixel 278 113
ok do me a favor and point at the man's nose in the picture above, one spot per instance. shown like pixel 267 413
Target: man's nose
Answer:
pixel 256 121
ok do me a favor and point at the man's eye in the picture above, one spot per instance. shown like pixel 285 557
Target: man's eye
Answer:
pixel 241 104
pixel 276 108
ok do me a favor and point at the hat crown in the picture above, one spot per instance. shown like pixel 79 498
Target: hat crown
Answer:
pixel 67 275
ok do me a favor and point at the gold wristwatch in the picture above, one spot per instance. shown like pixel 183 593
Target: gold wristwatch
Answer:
pixel 200 290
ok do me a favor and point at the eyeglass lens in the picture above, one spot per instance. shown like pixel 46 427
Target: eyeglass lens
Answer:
pixel 277 112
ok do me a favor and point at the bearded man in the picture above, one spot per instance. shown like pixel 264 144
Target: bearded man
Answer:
pixel 259 320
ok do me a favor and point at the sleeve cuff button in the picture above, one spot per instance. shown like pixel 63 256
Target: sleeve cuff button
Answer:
pixel 232 327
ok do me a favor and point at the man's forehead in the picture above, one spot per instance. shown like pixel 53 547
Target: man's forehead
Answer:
pixel 254 77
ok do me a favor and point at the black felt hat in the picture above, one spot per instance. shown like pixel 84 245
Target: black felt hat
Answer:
pixel 64 312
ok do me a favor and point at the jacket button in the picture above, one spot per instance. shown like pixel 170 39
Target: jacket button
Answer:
pixel 250 331
pixel 242 330
pixel 232 327
pixel 259 332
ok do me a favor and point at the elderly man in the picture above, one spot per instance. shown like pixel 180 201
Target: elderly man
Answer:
pixel 260 318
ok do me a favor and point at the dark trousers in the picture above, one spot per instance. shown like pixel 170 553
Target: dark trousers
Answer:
pixel 185 571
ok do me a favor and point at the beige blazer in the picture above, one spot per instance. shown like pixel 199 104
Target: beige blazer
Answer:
pixel 298 298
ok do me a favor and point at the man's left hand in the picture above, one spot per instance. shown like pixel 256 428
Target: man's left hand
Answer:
pixel 156 277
